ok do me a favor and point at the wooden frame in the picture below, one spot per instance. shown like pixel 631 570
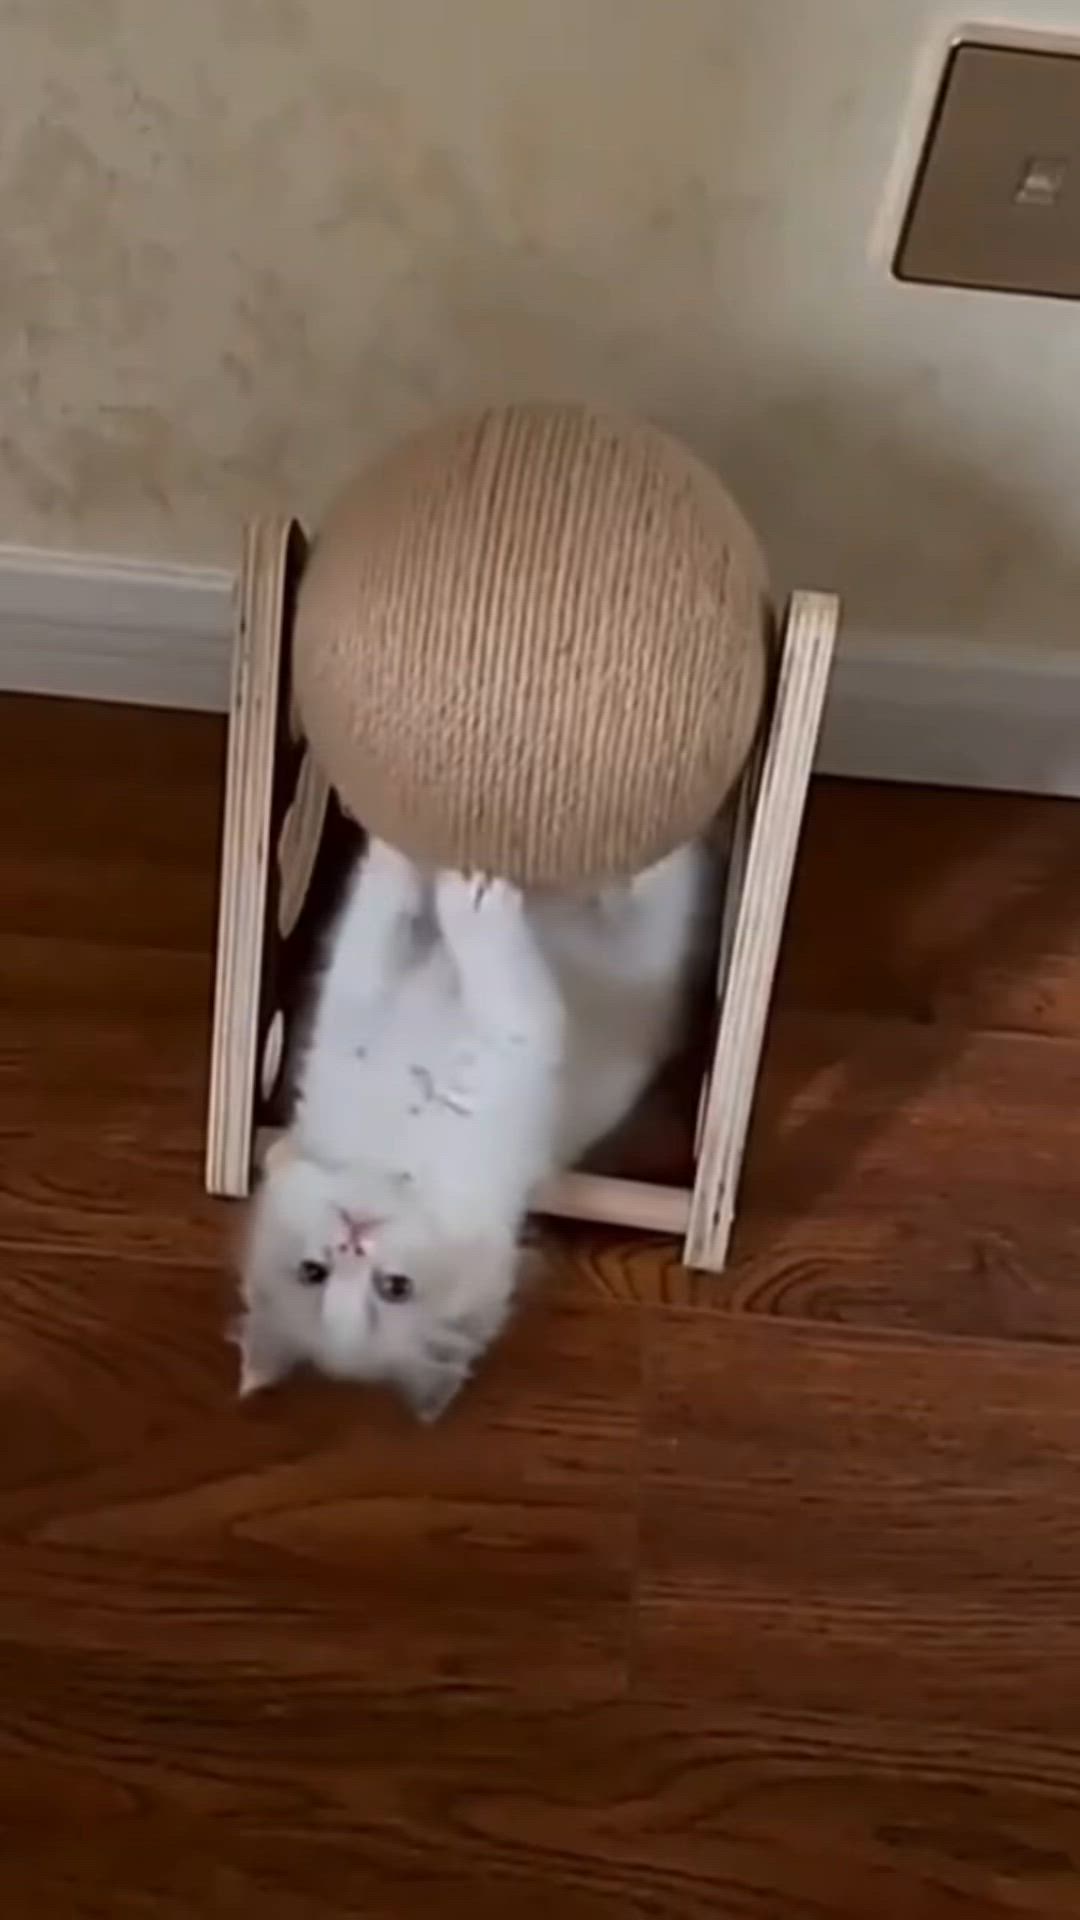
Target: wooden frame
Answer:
pixel 285 843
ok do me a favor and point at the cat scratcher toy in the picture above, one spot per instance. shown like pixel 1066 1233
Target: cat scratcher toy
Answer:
pixel 535 642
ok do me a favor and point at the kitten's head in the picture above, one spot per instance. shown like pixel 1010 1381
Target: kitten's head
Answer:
pixel 344 1271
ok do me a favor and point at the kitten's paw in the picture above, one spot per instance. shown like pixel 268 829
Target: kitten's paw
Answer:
pixel 390 880
pixel 465 902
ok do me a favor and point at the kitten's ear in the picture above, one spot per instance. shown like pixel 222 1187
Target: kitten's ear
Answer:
pixel 264 1359
pixel 428 1387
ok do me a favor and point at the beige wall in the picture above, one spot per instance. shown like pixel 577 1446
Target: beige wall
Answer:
pixel 246 241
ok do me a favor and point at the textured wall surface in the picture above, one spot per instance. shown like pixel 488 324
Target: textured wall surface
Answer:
pixel 245 242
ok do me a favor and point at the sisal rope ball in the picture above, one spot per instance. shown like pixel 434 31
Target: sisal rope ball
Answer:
pixel 534 642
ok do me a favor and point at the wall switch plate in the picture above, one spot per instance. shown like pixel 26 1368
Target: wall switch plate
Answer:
pixel 996 200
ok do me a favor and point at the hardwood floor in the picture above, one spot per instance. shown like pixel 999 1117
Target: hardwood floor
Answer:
pixel 751 1599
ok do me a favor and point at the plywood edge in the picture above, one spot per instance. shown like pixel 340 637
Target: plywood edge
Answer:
pixel 808 645
pixel 609 1201
pixel 249 778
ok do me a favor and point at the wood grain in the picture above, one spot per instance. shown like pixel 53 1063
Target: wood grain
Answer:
pixel 940 907
pixel 888 1519
pixel 110 833
pixel 753 1597
pixel 899 1175
pixel 600 1811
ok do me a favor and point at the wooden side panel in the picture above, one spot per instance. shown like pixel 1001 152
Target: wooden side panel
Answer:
pixel 807 651
pixel 279 839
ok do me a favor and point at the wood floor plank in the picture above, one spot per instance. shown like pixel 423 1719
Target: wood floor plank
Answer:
pixel 946 908
pixel 127 1184
pixel 896 1177
pixel 119 1377
pixel 886 1526
pixel 89 982
pixel 751 1598
pixel 85 776
pixel 109 823
pixel 600 1809
pixel 886 1100
pixel 144 1511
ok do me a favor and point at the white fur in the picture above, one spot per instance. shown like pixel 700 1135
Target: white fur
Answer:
pixel 467 1041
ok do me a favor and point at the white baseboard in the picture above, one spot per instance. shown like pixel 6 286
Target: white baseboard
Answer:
pixel 957 716
pixel 95 628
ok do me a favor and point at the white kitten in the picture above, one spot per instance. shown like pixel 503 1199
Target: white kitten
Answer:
pixel 467 1042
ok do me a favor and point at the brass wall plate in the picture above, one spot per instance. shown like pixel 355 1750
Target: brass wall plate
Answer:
pixel 996 200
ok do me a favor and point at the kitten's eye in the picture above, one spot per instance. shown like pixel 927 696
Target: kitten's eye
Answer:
pixel 393 1286
pixel 312 1272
